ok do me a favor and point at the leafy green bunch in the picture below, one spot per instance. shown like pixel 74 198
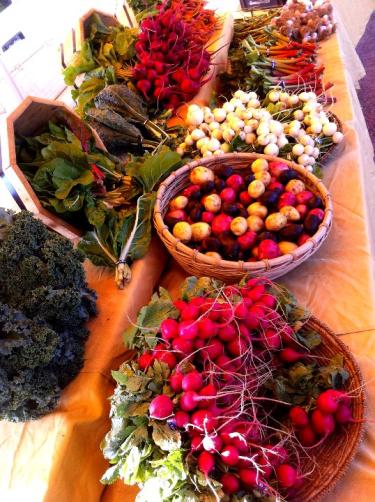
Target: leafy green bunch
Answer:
pixel 103 54
pixel 44 303
pixel 90 189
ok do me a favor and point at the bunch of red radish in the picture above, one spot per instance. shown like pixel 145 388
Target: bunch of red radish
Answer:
pixel 220 352
pixel 332 409
pixel 171 62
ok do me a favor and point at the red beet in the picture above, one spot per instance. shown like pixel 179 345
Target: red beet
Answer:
pixel 221 223
pixel 247 240
pixel 268 249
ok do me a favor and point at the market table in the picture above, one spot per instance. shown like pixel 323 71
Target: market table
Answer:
pixel 336 282
pixel 58 458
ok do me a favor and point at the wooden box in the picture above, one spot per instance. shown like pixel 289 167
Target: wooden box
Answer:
pixel 28 119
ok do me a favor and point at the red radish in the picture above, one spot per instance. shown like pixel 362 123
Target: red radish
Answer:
pixel 244 331
pixel 175 381
pixel 207 217
pixel 196 443
pixel 161 407
pixel 302 209
pixel 207 328
pixel 237 347
pixel 256 293
pixel 277 455
pixel 256 281
pixel 268 301
pixel 235 181
pixel 245 198
pixel 206 462
pixel 289 355
pixel 298 417
pixel 169 329
pixel 286 199
pixel 181 419
pixel 221 223
pixel 190 313
pixel 145 360
pixel 230 455
pixel 213 349
pixel 265 466
pixel 192 381
pixel 307 436
pixel 182 345
pixel 212 444
pixel 328 401
pixel 344 415
pixel 255 314
pixel 180 305
pixel 286 475
pixel 189 400
pixel 207 391
pixel 199 343
pixel 224 362
pixel 268 249
pixel 272 339
pixel 304 197
pixel 230 483
pixel 322 424
pixel 249 478
pixel 240 311
pixel 318 212
pixel 198 301
pixel 227 333
pixel 188 330
pixel 166 357
pixel 247 240
pixel 204 420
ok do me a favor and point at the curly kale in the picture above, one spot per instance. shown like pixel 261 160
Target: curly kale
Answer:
pixel 44 303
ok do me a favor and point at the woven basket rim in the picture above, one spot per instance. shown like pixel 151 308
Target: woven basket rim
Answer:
pixel 358 429
pixel 260 265
pixel 333 149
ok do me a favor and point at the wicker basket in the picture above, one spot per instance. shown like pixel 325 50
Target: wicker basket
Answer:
pixel 331 459
pixel 335 149
pixel 197 263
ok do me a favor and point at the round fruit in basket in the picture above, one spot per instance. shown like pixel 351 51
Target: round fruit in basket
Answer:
pixel 263 211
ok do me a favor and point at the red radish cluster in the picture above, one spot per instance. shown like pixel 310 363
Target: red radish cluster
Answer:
pixel 332 409
pixel 263 214
pixel 171 64
pixel 214 351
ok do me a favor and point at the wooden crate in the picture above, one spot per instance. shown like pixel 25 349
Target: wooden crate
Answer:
pixel 28 119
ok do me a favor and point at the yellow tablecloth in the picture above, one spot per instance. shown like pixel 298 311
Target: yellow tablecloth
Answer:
pixel 57 458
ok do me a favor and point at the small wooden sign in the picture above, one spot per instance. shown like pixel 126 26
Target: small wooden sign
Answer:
pixel 260 4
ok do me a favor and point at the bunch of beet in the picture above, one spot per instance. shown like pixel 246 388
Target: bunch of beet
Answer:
pixel 171 62
pixel 261 214
pixel 220 351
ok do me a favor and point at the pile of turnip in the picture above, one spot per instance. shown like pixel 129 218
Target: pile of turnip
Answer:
pixel 306 20
pixel 224 352
pixel 258 213
pixel 293 126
